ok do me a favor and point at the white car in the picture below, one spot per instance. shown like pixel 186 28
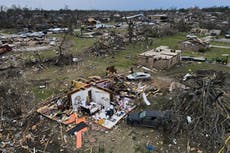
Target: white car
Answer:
pixel 139 76
pixel 191 36
pixel 227 35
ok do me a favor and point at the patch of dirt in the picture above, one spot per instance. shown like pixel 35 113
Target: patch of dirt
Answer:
pixel 161 82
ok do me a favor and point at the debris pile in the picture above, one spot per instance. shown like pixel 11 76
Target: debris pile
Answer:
pixel 5 48
pixel 203 110
pixel 39 62
pixel 26 42
pixel 107 45
pixel 11 73
pixel 195 44
pixel 95 100
pixel 15 101
pixel 92 98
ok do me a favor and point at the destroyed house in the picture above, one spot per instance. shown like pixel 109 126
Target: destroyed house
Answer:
pixel 90 98
pixel 194 45
pixel 5 48
pixel 96 100
pixel 160 58
pixel 199 31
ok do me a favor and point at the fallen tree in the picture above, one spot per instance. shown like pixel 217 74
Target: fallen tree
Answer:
pixel 203 111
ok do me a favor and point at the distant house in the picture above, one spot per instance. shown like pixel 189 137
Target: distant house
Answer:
pixel 91 21
pixel 117 17
pixel 158 17
pixel 199 31
pixel 194 45
pixel 160 58
pixel 214 32
pixel 136 16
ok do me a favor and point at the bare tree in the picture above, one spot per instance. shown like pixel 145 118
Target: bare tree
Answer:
pixel 130 29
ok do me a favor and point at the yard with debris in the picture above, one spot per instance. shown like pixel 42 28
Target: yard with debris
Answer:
pixel 32 131
pixel 91 91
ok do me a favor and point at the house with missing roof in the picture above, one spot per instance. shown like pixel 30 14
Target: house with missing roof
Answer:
pixel 194 44
pixel 100 102
pixel 160 58
pixel 90 99
pixel 93 99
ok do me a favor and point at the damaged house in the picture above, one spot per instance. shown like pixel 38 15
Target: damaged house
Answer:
pixel 214 32
pixel 194 44
pixel 5 48
pixel 90 99
pixel 91 21
pixel 158 18
pixel 93 99
pixel 199 31
pixel 160 58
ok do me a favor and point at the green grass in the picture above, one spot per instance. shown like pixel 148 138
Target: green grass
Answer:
pixel 81 44
pixel 119 30
pixel 209 54
pixel 59 35
pixel 122 60
pixel 126 58
pixel 171 41
pixel 8 31
pixel 194 66
pixel 220 43
pixel 216 52
pixel 28 56
pixel 42 94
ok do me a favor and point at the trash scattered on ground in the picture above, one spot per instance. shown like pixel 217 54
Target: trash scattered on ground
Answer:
pixel 201 104
pixel 45 106
pixel 107 45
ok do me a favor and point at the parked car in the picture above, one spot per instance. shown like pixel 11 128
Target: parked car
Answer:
pixel 191 36
pixel 227 35
pixel 139 76
pixel 151 118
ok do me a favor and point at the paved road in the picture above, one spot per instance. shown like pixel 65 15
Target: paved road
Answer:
pixel 224 40
pixel 217 46
pixel 27 49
